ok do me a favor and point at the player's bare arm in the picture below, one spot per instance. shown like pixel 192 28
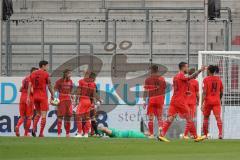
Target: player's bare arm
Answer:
pixel 203 99
pixel 20 90
pixel 29 92
pixel 194 75
pixel 197 96
pixel 96 96
pixel 50 88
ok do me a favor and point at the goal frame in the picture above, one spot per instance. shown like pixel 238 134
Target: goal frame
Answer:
pixel 200 79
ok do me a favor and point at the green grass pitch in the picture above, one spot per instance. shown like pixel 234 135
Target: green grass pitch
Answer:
pixel 116 149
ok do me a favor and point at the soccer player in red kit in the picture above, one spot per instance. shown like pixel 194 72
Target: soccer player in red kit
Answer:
pixel 155 87
pixel 64 87
pixel 178 104
pixel 26 111
pixel 39 81
pixel 192 99
pixel 86 89
pixel 212 94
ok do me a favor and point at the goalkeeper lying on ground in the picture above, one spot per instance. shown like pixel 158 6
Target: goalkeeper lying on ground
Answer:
pixel 114 133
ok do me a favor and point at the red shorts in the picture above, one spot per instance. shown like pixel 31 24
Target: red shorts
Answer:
pixel 26 110
pixel 84 106
pixel 215 108
pixel 155 109
pixel 192 108
pixel 65 108
pixel 179 108
pixel 41 103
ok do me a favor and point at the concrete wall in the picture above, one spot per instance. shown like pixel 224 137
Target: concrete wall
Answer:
pixel 169 37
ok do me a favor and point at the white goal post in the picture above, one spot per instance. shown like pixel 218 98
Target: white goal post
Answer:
pixel 229 65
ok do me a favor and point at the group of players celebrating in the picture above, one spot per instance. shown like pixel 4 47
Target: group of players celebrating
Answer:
pixel 34 97
pixel 183 103
pixel 184 100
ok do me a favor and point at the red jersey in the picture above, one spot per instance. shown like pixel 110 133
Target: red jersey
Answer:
pixel 87 87
pixel 180 86
pixel 156 86
pixel 193 89
pixel 213 87
pixel 39 80
pixel 24 88
pixel 64 88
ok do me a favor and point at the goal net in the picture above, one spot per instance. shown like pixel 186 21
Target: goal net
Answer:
pixel 229 65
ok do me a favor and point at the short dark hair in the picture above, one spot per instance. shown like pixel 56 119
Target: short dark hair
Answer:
pixel 65 72
pixel 154 68
pixel 182 64
pixel 43 63
pixel 33 69
pixel 213 69
pixel 191 71
pixel 92 75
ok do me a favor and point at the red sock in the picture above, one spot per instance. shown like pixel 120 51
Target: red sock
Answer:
pixel 186 129
pixel 150 127
pixel 28 124
pixel 160 123
pixel 219 124
pixel 43 123
pixel 79 127
pixel 59 126
pixel 166 126
pixel 205 126
pixel 35 122
pixel 20 122
pixel 67 127
pixel 192 128
pixel 87 127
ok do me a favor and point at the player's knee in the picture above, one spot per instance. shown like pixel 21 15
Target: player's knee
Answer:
pixel 60 117
pixel 38 112
pixel 44 114
pixel 87 118
pixel 159 117
pixel 150 118
pixel 67 118
pixel 170 118
pixel 29 118
pixel 218 118
pixel 206 117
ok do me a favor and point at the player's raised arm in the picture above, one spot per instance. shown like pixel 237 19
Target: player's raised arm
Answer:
pixel 183 68
pixel 194 75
